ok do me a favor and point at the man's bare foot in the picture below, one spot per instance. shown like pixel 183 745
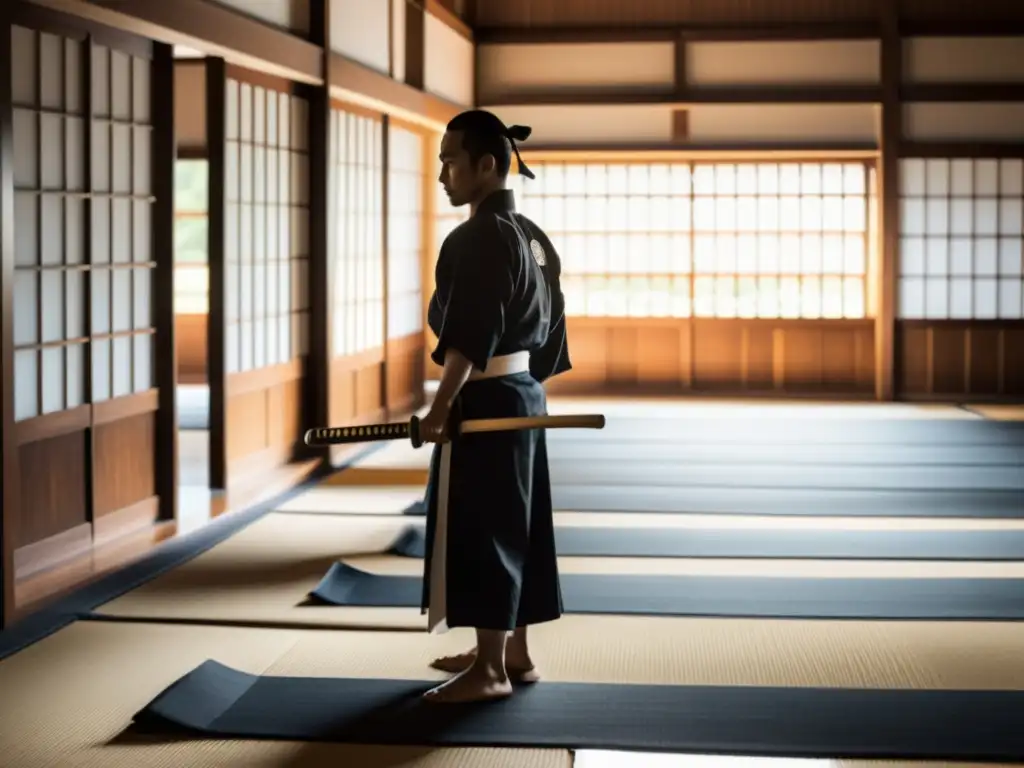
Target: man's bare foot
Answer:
pixel 476 683
pixel 518 664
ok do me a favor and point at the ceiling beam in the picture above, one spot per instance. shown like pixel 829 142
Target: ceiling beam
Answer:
pixel 683 95
pixel 686 96
pixel 854 30
pixel 669 33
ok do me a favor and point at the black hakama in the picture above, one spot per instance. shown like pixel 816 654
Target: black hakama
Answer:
pixel 490 549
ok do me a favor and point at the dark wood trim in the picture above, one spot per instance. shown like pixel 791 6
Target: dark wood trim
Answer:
pixel 189 152
pixel 317 383
pixel 165 347
pixel 891 65
pixel 259 379
pixel 74 27
pixel 987 27
pixel 210 28
pixel 796 149
pixel 446 17
pixel 216 130
pixel 680 75
pixel 668 33
pixel 354 81
pixel 109 411
pixel 53 550
pixel 11 465
pixel 957 149
pixel 415 45
pixel 961 92
pixel 123 522
pixel 263 80
pixel 356 109
pixel 385 245
pixel 52 425
pixel 761 94
pixel 998 325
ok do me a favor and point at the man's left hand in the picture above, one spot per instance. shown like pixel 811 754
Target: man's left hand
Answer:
pixel 434 426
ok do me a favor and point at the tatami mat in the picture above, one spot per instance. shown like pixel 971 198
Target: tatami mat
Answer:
pixel 393 500
pixel 68 699
pixel 999 412
pixel 78 689
pixel 399 454
pixel 262 575
pixel 376 500
pixel 749 408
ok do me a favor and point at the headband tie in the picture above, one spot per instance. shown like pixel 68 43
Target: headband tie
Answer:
pixel 516 133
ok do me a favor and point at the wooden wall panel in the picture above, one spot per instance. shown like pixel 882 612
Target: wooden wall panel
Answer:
pixel 405 372
pixel 961 360
pixel 729 126
pixel 783 63
pixel 667 355
pixel 361 30
pixel 793 125
pixel 963 59
pixel 190 342
pixel 585 125
pixel 510 70
pixel 54 489
pixel 190 105
pixel 449 61
pixel 291 15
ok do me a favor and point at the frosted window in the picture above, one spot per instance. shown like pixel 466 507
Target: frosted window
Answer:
pixel 729 223
pixel 70 304
pixel 972 219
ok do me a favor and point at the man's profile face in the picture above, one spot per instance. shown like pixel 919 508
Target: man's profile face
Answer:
pixel 462 181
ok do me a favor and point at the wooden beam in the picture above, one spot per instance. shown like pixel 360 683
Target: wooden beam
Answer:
pixel 11 468
pixel 216 341
pixel 962 27
pixel 363 86
pixel 162 154
pixel 680 74
pixel 449 19
pixel 687 96
pixel 962 92
pixel 666 152
pixel 415 45
pixel 321 242
pixel 385 165
pixel 210 28
pixel 891 52
pixel 969 149
pixel 669 33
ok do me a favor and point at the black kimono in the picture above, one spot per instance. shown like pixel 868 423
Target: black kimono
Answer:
pixel 490 554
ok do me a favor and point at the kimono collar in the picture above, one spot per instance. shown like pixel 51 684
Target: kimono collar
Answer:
pixel 498 201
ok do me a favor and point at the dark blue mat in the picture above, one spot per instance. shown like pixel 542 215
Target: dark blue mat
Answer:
pixel 576 541
pixel 215 701
pixel 801 502
pixel 736 596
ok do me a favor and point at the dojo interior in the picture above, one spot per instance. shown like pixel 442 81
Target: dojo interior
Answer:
pixel 791 239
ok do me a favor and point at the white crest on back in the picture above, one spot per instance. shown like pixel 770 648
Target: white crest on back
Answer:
pixel 538 253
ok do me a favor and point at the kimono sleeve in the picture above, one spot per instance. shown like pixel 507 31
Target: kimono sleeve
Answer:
pixel 473 319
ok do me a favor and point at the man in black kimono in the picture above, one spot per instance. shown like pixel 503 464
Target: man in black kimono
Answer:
pixel 498 313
